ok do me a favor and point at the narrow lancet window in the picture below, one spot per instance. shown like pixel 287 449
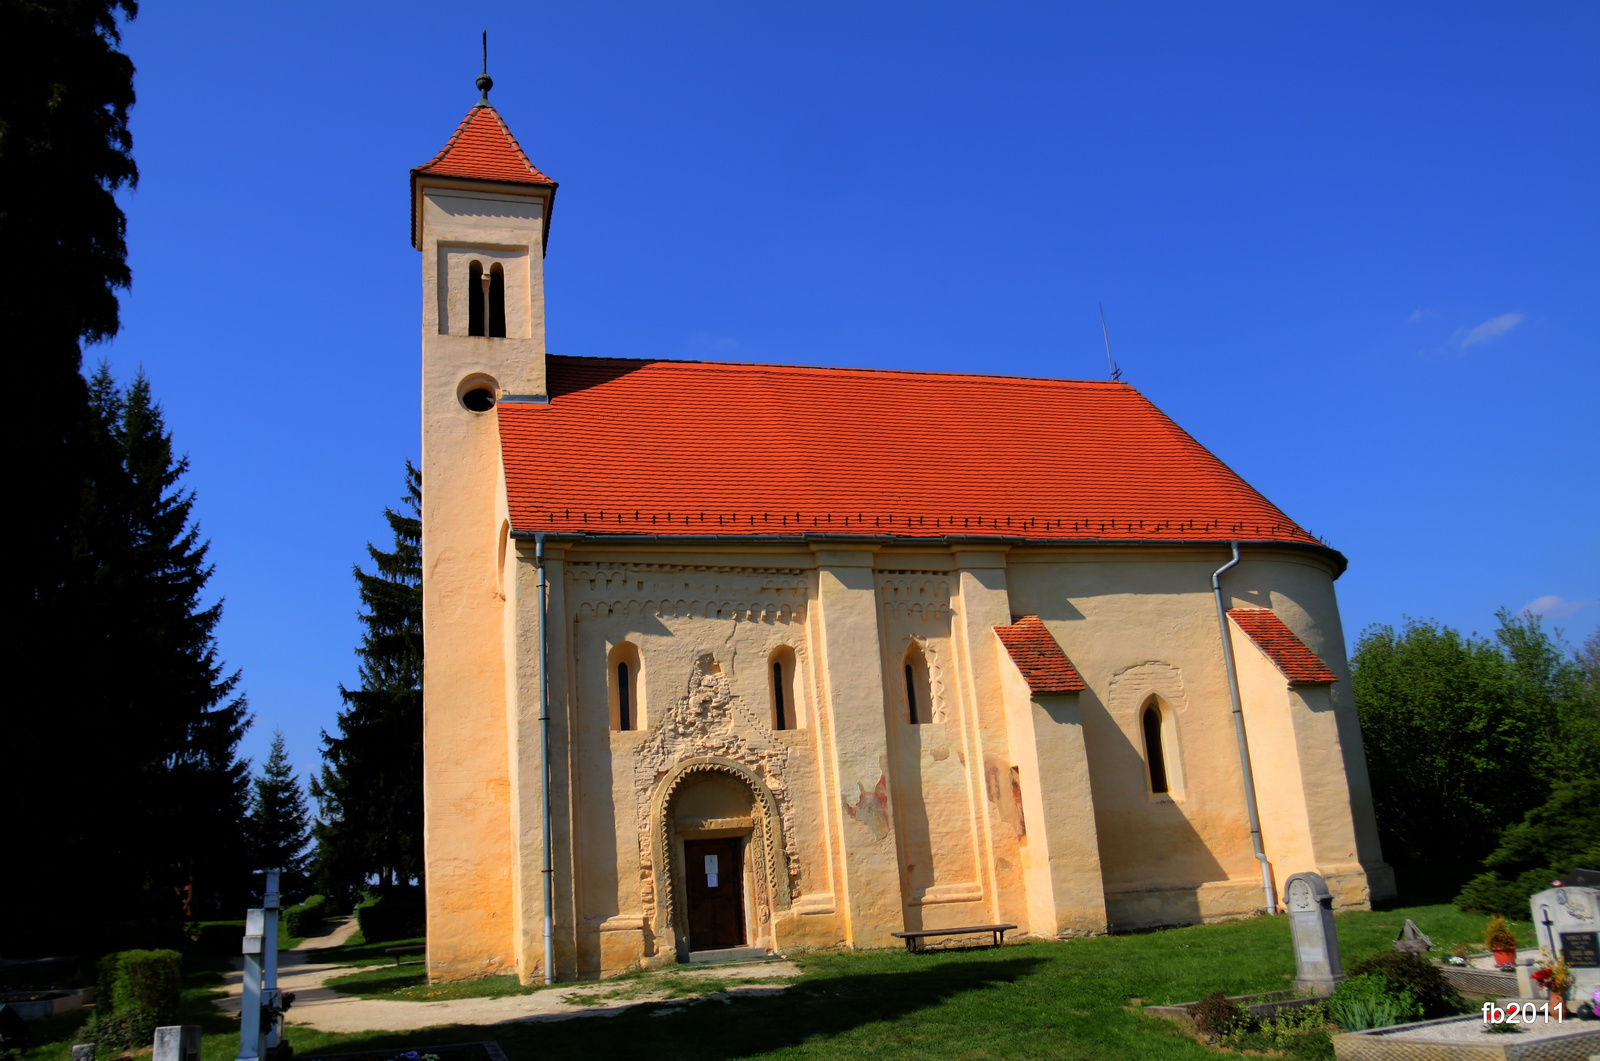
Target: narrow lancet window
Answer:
pixel 1152 749
pixel 625 679
pixel 785 695
pixel 497 301
pixel 476 296
pixel 919 690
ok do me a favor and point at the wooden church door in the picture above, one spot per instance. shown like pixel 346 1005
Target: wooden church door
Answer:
pixel 716 893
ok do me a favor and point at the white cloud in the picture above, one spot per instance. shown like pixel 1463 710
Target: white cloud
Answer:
pixel 1552 607
pixel 1493 328
pixel 1420 314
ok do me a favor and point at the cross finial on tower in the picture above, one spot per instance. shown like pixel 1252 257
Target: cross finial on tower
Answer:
pixel 485 82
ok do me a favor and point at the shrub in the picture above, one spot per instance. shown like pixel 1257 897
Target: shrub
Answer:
pixel 1370 1001
pixel 1491 893
pixel 115 1033
pixel 144 980
pixel 1217 1015
pixel 1548 844
pixel 1416 976
pixel 1298 1032
pixel 306 918
pixel 391 917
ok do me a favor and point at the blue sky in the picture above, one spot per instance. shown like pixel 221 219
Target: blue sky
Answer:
pixel 1351 248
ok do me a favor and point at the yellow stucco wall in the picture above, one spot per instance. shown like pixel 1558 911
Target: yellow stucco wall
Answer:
pixel 993 805
pixel 467 735
pixel 1002 806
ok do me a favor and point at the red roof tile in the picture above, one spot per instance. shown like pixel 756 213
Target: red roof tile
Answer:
pixel 698 448
pixel 1036 654
pixel 482 148
pixel 1286 651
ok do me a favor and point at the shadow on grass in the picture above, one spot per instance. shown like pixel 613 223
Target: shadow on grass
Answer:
pixel 813 1009
pixel 363 953
pixel 375 981
pixel 1428 885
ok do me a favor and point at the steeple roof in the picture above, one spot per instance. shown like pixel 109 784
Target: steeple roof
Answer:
pixel 482 148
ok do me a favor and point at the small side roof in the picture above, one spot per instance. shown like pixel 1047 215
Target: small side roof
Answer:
pixel 1044 666
pixel 1298 663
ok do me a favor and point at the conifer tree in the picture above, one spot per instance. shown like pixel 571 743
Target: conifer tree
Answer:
pixel 370 791
pixel 65 149
pixel 279 827
pixel 160 720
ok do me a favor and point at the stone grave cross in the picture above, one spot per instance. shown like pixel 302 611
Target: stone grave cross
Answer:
pixel 1316 947
pixel 260 974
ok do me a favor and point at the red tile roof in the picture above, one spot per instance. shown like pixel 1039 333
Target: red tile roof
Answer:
pixel 705 448
pixel 1036 654
pixel 1286 651
pixel 482 148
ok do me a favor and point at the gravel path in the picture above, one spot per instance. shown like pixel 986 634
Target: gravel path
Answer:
pixel 320 1007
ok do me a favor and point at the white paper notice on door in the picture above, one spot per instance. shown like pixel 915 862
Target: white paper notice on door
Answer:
pixel 711 871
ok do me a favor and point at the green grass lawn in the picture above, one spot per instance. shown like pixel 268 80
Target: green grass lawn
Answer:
pixel 409 983
pixel 357 951
pixel 1074 999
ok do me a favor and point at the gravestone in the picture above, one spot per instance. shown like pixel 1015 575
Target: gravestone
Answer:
pixel 177 1042
pixel 1567 921
pixel 1316 947
pixel 1412 940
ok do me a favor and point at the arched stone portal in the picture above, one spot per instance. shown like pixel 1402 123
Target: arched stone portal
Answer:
pixel 721 798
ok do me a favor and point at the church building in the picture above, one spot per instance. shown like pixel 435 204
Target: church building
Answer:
pixel 737 658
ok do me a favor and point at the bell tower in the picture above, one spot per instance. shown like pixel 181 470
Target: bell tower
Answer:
pixel 480 215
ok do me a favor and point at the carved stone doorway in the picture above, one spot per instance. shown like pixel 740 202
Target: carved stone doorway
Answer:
pixel 714 879
pixel 714 799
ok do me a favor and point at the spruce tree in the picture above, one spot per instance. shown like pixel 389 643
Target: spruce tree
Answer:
pixel 370 791
pixel 279 827
pixel 160 719
pixel 65 149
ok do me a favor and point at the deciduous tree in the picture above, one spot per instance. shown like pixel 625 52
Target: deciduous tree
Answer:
pixel 1464 735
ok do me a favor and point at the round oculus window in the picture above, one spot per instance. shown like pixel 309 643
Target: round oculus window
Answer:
pixel 478 399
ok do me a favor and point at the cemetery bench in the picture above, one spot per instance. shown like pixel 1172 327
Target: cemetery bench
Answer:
pixel 415 948
pixel 915 941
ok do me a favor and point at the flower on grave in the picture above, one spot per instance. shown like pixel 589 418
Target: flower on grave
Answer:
pixel 1554 975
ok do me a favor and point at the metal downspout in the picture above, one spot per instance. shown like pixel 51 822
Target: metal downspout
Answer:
pixel 1238 729
pixel 544 739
